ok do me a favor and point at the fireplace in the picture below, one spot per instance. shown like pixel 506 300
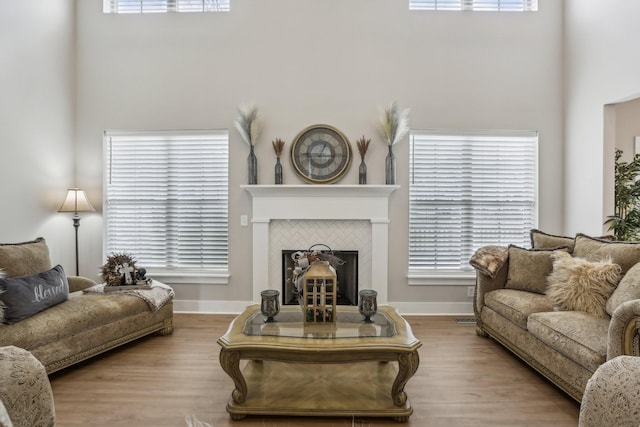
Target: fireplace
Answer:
pixel 346 273
pixel 344 217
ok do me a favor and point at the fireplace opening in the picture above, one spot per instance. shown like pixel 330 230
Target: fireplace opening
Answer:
pixel 347 277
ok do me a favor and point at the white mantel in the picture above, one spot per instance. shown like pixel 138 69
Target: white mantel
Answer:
pixel 321 202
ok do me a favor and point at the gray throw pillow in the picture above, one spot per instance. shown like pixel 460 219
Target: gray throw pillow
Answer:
pixel 27 295
pixel 529 268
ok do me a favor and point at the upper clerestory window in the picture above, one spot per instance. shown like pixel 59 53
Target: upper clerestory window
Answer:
pixel 476 5
pixel 164 6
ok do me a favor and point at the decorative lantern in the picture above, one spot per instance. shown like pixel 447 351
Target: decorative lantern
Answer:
pixel 319 293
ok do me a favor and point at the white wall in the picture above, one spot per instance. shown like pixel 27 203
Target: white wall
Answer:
pixel 306 62
pixel 37 120
pixel 303 62
pixel 602 64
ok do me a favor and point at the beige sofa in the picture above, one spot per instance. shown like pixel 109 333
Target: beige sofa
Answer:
pixel 82 325
pixel 26 399
pixel 517 304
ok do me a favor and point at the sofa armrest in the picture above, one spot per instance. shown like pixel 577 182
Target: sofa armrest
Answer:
pixel 611 396
pixel 486 284
pixel 77 283
pixel 25 390
pixel 624 330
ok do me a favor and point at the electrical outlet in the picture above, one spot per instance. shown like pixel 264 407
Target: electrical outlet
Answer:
pixel 471 291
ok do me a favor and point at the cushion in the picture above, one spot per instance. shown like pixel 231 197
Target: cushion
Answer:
pixel 577 335
pixel 628 289
pixel 542 240
pixel 489 259
pixel 529 268
pixel 576 284
pixel 517 305
pixel 24 259
pixel 27 295
pixel 625 254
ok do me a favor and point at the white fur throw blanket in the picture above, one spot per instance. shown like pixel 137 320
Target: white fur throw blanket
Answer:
pixel 156 297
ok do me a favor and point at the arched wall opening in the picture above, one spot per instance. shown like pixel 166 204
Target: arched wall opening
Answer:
pixel 621 131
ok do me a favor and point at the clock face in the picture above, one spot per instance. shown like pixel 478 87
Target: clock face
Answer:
pixel 321 154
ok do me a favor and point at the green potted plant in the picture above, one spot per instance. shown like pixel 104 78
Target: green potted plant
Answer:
pixel 625 222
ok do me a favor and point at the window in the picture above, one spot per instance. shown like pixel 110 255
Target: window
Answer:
pixel 468 189
pixel 476 5
pixel 166 201
pixel 163 6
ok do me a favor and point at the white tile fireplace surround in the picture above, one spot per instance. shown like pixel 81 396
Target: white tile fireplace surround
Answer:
pixel 340 216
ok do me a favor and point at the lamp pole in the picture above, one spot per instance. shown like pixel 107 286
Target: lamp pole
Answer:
pixel 76 225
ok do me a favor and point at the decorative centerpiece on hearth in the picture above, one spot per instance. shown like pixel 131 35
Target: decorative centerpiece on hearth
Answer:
pixel 315 282
pixel 120 272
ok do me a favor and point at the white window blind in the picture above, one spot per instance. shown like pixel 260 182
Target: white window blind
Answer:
pixel 476 5
pixel 166 198
pixel 467 190
pixel 163 6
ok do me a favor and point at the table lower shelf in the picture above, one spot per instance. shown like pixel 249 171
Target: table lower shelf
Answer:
pixel 307 389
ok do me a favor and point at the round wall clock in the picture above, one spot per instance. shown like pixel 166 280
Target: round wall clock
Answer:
pixel 321 154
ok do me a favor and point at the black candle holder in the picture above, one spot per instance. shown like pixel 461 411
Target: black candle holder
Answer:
pixel 270 305
pixel 368 305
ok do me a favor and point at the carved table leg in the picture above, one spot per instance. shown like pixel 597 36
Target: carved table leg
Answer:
pixel 230 362
pixel 407 366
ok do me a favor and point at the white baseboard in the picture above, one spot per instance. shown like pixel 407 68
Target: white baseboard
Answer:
pixel 405 308
pixel 210 306
pixel 434 308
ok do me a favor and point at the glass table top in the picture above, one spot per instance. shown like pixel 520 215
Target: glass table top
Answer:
pixel 349 324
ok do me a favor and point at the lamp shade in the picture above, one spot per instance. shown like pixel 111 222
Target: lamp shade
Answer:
pixel 76 201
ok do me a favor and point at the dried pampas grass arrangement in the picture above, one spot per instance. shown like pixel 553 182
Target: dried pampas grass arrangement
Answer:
pixel 394 123
pixel 247 124
pixel 278 146
pixel 363 146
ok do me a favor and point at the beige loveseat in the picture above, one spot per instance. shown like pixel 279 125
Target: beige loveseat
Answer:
pixel 532 300
pixel 82 325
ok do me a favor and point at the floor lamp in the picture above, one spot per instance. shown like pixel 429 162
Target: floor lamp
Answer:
pixel 76 201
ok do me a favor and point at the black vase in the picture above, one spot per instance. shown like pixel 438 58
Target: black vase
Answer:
pixel 278 171
pixel 368 304
pixel 390 167
pixel 362 172
pixel 252 168
pixel 270 304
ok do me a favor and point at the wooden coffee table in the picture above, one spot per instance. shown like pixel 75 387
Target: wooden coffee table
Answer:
pixel 349 368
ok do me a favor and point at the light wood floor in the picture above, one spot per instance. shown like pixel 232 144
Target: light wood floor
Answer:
pixel 463 380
